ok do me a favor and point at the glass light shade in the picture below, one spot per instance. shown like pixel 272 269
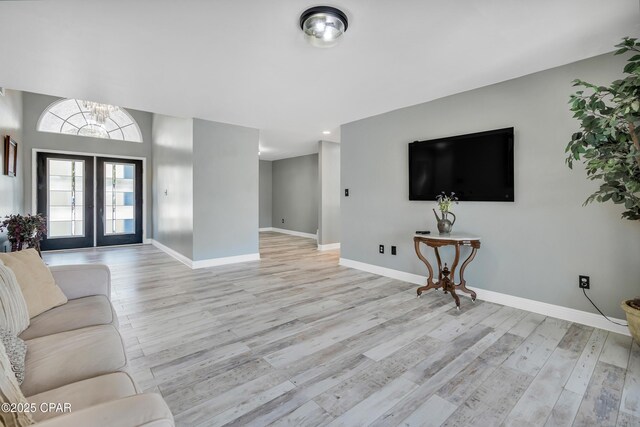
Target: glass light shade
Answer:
pixel 323 29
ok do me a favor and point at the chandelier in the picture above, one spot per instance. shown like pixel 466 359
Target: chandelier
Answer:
pixel 98 112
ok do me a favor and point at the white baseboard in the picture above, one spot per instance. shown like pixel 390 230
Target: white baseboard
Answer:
pixel 177 255
pixel 213 262
pixel 383 271
pixel 572 315
pixel 265 229
pixel 148 241
pixel 329 247
pixel 294 233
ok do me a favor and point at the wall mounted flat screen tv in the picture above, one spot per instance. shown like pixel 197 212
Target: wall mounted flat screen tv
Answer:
pixel 477 167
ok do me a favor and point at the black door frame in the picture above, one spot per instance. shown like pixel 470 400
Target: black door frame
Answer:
pixel 118 239
pixel 35 152
pixel 86 241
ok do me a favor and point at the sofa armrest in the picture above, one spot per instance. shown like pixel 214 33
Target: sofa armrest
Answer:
pixel 147 409
pixel 83 280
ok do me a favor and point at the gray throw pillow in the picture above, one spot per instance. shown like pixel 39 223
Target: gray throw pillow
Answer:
pixel 17 352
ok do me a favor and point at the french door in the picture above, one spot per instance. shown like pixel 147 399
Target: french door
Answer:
pixel 119 201
pixel 89 201
pixel 65 197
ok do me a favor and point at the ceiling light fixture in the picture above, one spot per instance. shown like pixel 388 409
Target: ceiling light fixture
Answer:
pixel 323 25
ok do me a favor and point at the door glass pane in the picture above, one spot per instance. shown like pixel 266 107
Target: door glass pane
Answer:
pixel 65 210
pixel 119 198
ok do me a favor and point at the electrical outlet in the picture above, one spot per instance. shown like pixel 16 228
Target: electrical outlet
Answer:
pixel 584 282
pixel 346 192
pixel 381 249
pixel 393 250
pixel 283 220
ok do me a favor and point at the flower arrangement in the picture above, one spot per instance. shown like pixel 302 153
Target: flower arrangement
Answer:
pixel 445 202
pixel 24 230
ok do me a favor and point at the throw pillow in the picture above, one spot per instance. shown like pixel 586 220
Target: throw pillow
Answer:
pixel 16 350
pixel 10 393
pixel 36 281
pixel 14 315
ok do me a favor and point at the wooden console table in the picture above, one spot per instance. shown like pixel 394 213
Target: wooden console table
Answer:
pixel 446 277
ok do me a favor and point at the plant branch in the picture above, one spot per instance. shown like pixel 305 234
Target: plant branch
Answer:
pixel 634 138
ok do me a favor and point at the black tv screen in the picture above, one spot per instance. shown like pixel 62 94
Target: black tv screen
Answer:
pixel 477 167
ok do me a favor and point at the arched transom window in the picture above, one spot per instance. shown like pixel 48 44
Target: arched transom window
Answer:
pixel 84 118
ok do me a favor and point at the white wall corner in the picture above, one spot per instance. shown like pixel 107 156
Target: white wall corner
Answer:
pixel 572 315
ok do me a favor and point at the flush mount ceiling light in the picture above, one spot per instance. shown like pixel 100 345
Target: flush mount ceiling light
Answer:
pixel 323 25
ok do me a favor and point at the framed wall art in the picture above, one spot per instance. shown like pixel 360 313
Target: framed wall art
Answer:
pixel 10 156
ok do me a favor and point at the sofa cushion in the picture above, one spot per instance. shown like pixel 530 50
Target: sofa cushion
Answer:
pixel 14 314
pixel 75 314
pixel 84 394
pixel 148 410
pixel 61 359
pixel 10 393
pixel 38 287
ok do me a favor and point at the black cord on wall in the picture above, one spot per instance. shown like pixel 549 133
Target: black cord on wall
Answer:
pixel 600 311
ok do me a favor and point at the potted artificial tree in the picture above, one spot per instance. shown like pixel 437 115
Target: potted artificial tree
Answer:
pixel 608 143
pixel 24 231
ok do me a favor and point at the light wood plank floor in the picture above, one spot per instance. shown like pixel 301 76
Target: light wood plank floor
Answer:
pixel 296 340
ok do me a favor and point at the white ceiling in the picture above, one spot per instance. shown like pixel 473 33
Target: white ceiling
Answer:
pixel 247 63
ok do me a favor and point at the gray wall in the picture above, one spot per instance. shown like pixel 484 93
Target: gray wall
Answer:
pixel 534 248
pixel 35 104
pixel 329 175
pixel 173 173
pixel 266 193
pixel 295 193
pixel 11 188
pixel 225 188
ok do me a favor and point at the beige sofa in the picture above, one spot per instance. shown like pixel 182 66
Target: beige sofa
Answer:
pixel 75 355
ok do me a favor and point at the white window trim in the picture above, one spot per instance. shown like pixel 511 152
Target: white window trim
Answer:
pixel 66 120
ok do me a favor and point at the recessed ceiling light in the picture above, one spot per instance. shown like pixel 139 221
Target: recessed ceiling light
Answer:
pixel 323 25
pixel 326 132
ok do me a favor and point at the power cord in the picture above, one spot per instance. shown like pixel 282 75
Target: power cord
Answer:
pixel 599 311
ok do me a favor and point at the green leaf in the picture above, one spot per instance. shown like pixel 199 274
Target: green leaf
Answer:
pixel 603 141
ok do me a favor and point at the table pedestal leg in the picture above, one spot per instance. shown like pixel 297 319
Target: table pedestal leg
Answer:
pixel 448 285
pixel 430 284
pixel 463 283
